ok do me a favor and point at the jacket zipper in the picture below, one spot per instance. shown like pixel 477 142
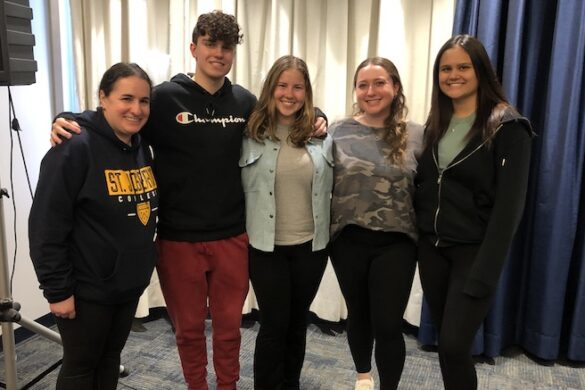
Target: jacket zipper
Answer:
pixel 438 202
pixel 440 179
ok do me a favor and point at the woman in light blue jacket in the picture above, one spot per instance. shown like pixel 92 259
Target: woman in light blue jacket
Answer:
pixel 287 178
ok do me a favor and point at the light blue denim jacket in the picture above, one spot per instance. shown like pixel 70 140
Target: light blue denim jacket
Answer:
pixel 258 163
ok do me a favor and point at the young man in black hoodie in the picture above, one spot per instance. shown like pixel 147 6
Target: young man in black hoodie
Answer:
pixel 196 131
pixel 195 128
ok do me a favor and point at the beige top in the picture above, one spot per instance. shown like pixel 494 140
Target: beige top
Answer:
pixel 292 191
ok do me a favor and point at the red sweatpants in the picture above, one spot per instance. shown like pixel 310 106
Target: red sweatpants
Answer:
pixel 193 276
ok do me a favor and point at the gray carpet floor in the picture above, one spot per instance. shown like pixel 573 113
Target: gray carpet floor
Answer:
pixel 153 363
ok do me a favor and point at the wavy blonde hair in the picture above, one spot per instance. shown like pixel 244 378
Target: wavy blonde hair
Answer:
pixel 394 131
pixel 264 119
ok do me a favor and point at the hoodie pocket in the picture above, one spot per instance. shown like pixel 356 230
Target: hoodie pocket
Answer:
pixel 133 269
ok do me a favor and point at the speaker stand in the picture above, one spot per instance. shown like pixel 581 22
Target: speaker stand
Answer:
pixel 9 311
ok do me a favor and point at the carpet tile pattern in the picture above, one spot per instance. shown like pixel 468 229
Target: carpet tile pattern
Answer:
pixel 153 364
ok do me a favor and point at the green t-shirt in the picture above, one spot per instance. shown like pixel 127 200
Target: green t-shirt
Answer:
pixel 453 141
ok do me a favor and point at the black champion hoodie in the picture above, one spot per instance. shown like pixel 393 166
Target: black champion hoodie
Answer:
pixel 93 218
pixel 197 137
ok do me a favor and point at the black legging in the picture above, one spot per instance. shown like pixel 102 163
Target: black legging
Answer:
pixel 458 316
pixel 285 282
pixel 375 272
pixel 92 343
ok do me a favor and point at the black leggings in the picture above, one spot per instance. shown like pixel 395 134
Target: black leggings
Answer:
pixel 285 282
pixel 458 316
pixel 375 272
pixel 92 343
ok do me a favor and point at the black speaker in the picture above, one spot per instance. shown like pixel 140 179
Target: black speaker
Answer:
pixel 17 64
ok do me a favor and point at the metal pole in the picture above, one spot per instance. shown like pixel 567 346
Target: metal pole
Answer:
pixel 9 312
pixel 8 346
pixel 39 329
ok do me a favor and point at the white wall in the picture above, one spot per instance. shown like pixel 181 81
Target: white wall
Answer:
pixel 34 111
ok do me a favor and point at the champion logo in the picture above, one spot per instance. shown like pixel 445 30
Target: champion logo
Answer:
pixel 186 118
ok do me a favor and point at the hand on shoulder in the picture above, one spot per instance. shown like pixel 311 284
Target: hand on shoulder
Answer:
pixel 63 128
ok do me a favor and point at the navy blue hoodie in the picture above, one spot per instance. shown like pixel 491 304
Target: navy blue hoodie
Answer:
pixel 93 218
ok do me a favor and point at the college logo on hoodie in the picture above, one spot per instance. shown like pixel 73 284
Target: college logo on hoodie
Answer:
pixel 143 212
pixel 133 186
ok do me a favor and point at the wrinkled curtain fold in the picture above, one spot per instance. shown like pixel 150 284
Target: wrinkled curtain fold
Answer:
pixel 332 36
pixel 538 49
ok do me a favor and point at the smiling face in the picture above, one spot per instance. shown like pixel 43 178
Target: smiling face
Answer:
pixel 457 78
pixel 375 91
pixel 214 59
pixel 289 95
pixel 127 106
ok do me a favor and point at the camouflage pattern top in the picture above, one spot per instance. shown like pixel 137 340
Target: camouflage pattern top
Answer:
pixel 370 191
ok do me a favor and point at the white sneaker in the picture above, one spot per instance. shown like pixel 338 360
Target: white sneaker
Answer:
pixel 364 384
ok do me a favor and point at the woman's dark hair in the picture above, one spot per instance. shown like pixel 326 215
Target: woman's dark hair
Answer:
pixel 264 119
pixel 218 26
pixel 394 132
pixel 491 100
pixel 119 71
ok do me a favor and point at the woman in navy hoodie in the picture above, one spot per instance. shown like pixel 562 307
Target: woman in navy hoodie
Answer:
pixel 92 226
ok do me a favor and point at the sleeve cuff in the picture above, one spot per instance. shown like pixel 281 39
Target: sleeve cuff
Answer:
pixel 477 289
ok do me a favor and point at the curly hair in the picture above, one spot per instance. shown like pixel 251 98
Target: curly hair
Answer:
pixel 264 119
pixel 218 26
pixel 394 131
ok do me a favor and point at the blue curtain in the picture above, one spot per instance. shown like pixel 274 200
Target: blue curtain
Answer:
pixel 538 49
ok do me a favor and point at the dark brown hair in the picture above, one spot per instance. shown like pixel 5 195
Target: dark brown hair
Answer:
pixel 218 26
pixel 119 71
pixel 491 100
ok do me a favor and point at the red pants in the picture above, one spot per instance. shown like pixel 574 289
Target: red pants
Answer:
pixel 193 276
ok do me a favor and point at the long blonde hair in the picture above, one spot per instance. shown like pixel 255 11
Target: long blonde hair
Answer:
pixel 264 119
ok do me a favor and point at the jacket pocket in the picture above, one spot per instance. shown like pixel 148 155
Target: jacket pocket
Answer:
pixel 249 163
pixel 250 153
pixel 250 158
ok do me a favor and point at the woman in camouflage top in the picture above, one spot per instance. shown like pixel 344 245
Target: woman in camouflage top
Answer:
pixel 373 222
